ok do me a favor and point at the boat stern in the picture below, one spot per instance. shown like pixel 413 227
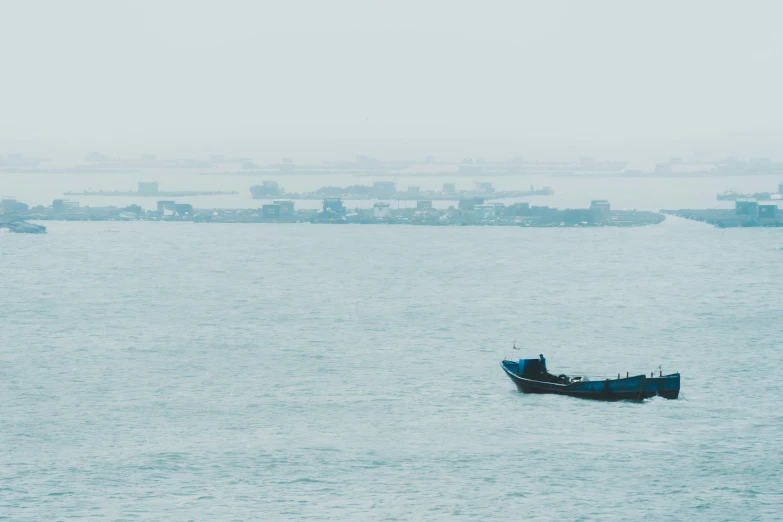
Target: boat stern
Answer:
pixel 666 386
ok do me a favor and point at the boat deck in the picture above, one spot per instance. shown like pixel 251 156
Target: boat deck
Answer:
pixel 635 388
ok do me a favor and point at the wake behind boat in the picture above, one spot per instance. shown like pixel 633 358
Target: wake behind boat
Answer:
pixel 531 376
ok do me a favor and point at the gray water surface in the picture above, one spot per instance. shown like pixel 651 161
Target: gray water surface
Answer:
pixel 176 371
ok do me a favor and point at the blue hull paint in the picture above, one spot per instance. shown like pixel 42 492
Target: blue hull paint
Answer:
pixel 634 388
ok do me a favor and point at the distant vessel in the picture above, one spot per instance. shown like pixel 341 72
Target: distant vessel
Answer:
pixel 531 376
pixel 732 195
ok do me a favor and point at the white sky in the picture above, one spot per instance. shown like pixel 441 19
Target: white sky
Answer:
pixel 396 77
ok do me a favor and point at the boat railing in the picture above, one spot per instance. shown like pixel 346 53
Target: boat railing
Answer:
pixel 623 375
pixel 595 376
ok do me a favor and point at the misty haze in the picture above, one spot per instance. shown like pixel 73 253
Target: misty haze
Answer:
pixel 367 260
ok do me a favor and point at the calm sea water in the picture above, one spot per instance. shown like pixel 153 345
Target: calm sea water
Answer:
pixel 175 371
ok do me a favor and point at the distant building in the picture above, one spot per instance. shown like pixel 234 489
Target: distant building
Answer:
pixel 541 211
pixel 414 190
pixel 663 168
pixel 780 188
pixel 449 188
pixel 171 208
pixel 767 211
pixel 518 209
pixel 165 205
pixel 367 162
pixel 601 206
pixel 484 211
pixel 424 205
pixel 287 166
pixel 268 189
pixel 286 207
pixel 134 209
pixel 381 210
pixel 96 157
pixel 469 168
pixel 746 207
pixel 384 189
pixel 63 205
pixel 429 160
pixel 484 186
pixel 575 216
pixel 469 204
pixel 334 205
pixel 148 188
pixel 270 211
pixel 183 208
pixel 10 205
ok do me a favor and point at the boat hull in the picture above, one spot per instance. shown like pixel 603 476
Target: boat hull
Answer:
pixel 634 388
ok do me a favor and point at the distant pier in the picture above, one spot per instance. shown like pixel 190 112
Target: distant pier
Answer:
pixel 387 190
pixel 469 212
pixel 723 218
pixel 161 194
pixel 747 212
pixel 149 190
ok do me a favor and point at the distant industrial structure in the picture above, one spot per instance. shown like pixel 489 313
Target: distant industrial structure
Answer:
pixel 747 212
pixel 470 212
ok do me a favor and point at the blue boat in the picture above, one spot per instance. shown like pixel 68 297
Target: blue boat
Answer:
pixel 531 376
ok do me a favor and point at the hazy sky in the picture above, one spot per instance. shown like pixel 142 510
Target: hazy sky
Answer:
pixel 408 76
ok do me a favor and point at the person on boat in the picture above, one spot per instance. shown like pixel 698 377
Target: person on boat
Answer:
pixel 543 362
